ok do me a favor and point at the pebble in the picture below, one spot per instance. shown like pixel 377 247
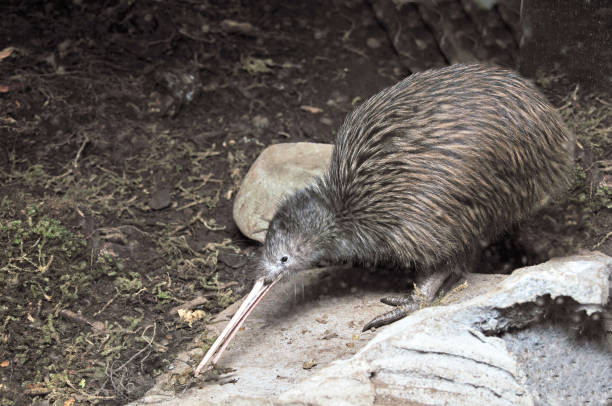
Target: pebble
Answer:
pixel 373 43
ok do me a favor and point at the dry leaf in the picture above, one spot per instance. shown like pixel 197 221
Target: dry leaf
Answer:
pixel 237 26
pixel 312 109
pixel 5 363
pixel 7 120
pixel 6 52
pixel 189 316
pixel 257 65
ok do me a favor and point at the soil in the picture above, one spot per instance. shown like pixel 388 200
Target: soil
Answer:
pixel 126 129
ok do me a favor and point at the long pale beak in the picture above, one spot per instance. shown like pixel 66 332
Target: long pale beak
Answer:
pixel 214 352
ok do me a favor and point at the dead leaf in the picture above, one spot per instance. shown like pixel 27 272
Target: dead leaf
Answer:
pixel 257 65
pixel 6 52
pixel 232 26
pixel 69 402
pixel 5 363
pixel 312 109
pixel 189 316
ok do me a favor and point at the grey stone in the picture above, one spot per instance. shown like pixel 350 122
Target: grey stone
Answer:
pixel 465 352
pixel 160 199
pixel 279 170
pixel 562 369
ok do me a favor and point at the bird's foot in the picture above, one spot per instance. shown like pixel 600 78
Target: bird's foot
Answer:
pixel 404 305
pixel 417 296
pixel 399 312
pixel 424 292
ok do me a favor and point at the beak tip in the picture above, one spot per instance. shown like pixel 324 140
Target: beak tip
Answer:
pixel 199 371
pixel 214 352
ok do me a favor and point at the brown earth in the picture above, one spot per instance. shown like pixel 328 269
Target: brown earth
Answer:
pixel 125 130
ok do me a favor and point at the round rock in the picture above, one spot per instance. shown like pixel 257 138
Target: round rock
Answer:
pixel 279 170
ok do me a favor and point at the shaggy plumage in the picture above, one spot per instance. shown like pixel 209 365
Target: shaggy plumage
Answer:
pixel 424 170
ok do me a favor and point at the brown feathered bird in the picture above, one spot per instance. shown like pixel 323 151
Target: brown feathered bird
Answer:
pixel 420 174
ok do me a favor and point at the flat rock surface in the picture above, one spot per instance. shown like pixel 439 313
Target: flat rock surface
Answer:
pixel 307 348
pixel 316 318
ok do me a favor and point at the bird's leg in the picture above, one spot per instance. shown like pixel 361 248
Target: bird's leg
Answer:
pixel 425 289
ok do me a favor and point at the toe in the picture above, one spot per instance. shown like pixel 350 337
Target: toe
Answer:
pixel 386 318
pixel 397 300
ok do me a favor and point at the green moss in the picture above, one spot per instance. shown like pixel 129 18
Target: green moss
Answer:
pixel 129 283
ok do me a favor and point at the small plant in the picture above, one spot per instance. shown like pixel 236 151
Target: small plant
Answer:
pixel 130 283
pixel 44 234
pixel 603 197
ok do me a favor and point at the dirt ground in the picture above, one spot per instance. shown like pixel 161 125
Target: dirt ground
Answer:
pixel 125 130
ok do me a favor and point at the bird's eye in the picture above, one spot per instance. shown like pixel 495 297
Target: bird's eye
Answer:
pixel 284 259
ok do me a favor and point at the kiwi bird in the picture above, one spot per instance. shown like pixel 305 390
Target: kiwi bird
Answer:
pixel 420 174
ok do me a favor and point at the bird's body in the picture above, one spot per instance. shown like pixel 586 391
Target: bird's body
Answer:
pixel 423 171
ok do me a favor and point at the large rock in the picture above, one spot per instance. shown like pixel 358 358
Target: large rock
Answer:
pixel 481 347
pixel 279 170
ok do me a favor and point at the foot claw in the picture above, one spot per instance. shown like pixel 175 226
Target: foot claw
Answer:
pixel 425 289
pixel 386 318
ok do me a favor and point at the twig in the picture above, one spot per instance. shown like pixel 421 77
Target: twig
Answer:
pixel 45 268
pixel 194 203
pixel 355 51
pixel 599 244
pixel 221 287
pixel 107 304
pixel 78 318
pixel 75 163
pixel 149 344
pixel 192 303
pixel 37 391
pixel 187 34
pixel 112 372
